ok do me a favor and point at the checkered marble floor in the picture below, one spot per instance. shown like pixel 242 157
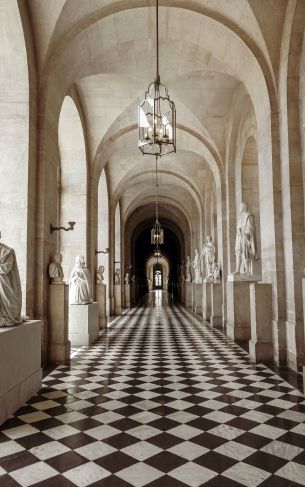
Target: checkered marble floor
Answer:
pixel 159 401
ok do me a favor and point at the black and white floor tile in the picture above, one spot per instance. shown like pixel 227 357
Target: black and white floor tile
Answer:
pixel 159 401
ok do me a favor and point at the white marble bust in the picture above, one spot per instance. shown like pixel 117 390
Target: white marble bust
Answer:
pixel 55 269
pixel 80 283
pixel 100 274
pixel 10 288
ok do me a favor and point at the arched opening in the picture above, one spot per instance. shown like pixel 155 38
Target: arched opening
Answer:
pixel 72 184
pixel 14 146
pixel 103 230
pixel 146 264
pixel 158 276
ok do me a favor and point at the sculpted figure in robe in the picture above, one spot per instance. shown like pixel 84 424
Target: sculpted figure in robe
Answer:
pixel 80 283
pixel 126 279
pixel 117 276
pixel 197 267
pixel 55 269
pixel 10 288
pixel 245 241
pixel 99 274
pixel 188 273
pixel 208 253
pixel 216 272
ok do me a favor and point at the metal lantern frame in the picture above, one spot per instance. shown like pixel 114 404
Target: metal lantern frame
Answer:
pixel 157 114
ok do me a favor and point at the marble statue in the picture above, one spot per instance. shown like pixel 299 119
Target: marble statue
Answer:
pixel 55 269
pixel 208 253
pixel 245 247
pixel 188 272
pixel 181 274
pixel 126 279
pixel 117 276
pixel 80 283
pixel 10 288
pixel 133 279
pixel 216 272
pixel 100 274
pixel 197 267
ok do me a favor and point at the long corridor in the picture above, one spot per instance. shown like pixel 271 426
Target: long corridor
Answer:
pixel 160 401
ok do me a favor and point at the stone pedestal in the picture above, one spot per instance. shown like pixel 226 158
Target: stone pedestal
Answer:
pixel 238 308
pixel 216 319
pixel 20 366
pixel 117 299
pixel 261 345
pixel 132 294
pixel 206 300
pixel 101 299
pixel 188 294
pixel 182 290
pixel 59 345
pixel 127 295
pixel 83 324
pixel 198 299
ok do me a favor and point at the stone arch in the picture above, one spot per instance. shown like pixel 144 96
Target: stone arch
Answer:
pixel 73 185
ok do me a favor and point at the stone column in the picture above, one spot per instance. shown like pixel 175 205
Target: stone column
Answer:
pixel 59 344
pixel 127 296
pixel 261 344
pixel 206 300
pixel 216 305
pixel 101 299
pixel 188 294
pixel 238 307
pixel 117 299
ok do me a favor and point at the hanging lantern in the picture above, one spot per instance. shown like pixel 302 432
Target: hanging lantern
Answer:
pixel 157 114
pixel 157 252
pixel 157 234
pixel 157 121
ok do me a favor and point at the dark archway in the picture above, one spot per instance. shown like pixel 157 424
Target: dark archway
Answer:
pixel 142 250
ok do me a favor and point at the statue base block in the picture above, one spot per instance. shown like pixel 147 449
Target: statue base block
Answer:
pixel 117 299
pixel 83 324
pixel 206 300
pixel 101 299
pixel 198 299
pixel 127 295
pixel 238 311
pixel 216 305
pixel 188 294
pixel 261 345
pixel 20 366
pixel 59 345
pixel 243 278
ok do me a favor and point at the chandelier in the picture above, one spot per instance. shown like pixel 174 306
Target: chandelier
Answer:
pixel 157 232
pixel 157 252
pixel 157 114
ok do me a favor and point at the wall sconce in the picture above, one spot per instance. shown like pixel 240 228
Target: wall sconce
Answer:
pixel 66 229
pixel 102 251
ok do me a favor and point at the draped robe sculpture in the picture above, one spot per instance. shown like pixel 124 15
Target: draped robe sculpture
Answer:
pixel 55 269
pixel 10 288
pixel 80 283
pixel 208 252
pixel 245 247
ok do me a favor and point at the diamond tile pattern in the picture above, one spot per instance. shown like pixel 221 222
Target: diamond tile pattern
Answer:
pixel 159 400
